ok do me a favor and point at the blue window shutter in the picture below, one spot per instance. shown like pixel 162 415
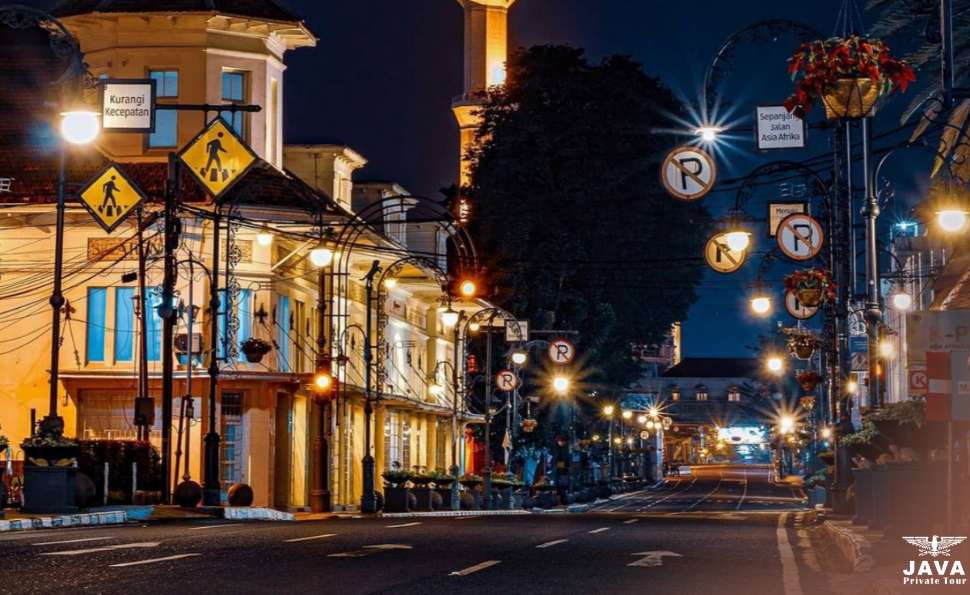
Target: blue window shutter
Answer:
pixel 244 313
pixel 283 333
pixel 154 323
pixel 124 324
pixel 97 311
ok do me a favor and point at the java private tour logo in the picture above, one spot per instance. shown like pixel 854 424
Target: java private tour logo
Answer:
pixel 941 569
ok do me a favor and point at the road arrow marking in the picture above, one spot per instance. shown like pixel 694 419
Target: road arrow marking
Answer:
pixel 153 560
pixel 105 548
pixel 312 537
pixel 371 549
pixel 75 540
pixel 475 568
pixel 654 558
pixel 551 543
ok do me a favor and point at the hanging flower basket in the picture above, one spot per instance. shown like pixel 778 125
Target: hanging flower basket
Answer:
pixel 808 379
pixel 807 403
pixel 529 425
pixel 254 349
pixel 811 286
pixel 802 343
pixel 848 75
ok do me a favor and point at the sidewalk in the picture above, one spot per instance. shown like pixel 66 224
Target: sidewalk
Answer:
pixel 116 515
pixel 860 560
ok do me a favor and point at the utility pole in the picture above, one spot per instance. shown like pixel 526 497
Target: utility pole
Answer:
pixel 167 312
pixel 210 486
pixel 368 502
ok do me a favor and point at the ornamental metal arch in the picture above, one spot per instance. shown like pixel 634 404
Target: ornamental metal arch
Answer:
pixel 768 31
pixel 62 43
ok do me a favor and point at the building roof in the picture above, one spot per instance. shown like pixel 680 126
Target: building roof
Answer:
pixel 714 367
pixel 261 9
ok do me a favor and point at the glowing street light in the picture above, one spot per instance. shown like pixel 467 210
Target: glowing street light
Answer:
pixel 826 433
pixel 708 134
pixel 80 126
pixel 322 381
pixel 952 220
pixel 618 441
pixel 642 419
pixel 474 327
pixel 608 410
pixel 761 304
pixel 901 300
pixel 467 288
pixel 519 357
pixel 321 256
pixel 775 365
pixel 786 425
pixel 561 384
pixel 449 318
pixel 264 237
pixel 738 240
pixel 390 283
pixel 851 387
pixel 627 414
pixel 436 389
pixel 887 349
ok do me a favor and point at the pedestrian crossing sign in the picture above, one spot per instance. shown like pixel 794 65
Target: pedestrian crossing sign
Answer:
pixel 110 197
pixel 218 157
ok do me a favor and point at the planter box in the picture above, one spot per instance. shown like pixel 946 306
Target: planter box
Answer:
pixel 422 497
pixel 397 500
pixel 864 502
pixel 51 454
pixel 445 494
pixel 50 489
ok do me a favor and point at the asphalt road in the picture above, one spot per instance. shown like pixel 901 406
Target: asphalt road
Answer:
pixel 710 532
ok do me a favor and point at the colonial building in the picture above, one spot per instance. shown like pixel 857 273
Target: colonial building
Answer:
pixel 274 428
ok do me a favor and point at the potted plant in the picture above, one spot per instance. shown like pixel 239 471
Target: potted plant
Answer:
pixel 808 379
pixel 848 75
pixel 811 286
pixel 442 483
pixel 802 343
pixel 254 349
pixel 422 491
pixel 504 483
pixel 396 494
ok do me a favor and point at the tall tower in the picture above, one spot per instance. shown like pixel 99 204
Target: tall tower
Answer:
pixel 486 51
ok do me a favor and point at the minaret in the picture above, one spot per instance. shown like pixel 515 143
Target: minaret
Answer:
pixel 486 51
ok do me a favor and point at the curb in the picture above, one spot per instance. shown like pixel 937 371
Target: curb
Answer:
pixel 256 514
pixel 72 520
pixel 453 513
pixel 854 548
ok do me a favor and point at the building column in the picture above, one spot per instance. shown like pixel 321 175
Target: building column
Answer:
pixel 432 421
pixel 380 464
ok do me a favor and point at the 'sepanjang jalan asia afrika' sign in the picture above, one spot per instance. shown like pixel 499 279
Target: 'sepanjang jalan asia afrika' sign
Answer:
pixel 778 129
pixel 128 105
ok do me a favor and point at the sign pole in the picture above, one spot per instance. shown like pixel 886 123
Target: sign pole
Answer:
pixel 210 491
pixel 143 427
pixel 166 311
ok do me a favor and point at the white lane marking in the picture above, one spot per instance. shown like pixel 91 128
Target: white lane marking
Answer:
pixel 745 492
pixel 310 538
pixel 475 568
pixel 711 493
pixel 75 540
pixel 153 560
pixel 551 543
pixel 219 526
pixel 402 525
pixel 630 522
pixel 789 567
pixel 465 518
pixel 105 548
pixel 600 530
pixel 672 494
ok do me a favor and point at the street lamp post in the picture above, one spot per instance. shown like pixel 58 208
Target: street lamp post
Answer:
pixel 487 471
pixel 368 501
pixel 455 392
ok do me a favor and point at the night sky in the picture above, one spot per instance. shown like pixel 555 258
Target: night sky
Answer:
pixel 383 74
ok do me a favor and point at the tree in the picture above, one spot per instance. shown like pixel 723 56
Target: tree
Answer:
pixel 569 211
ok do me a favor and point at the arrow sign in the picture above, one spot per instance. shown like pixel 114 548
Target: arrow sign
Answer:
pixel 653 558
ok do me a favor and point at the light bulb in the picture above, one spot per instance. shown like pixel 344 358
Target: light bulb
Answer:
pixel 761 304
pixel 519 358
pixel 449 317
pixel 775 364
pixel 952 220
pixel 390 283
pixel 560 384
pixel 608 410
pixel 80 127
pixel 902 301
pixel 264 237
pixel 321 256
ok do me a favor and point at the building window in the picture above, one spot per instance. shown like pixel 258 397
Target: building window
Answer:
pixel 734 395
pixel 153 301
pixel 230 467
pixel 283 334
pixel 166 121
pixel 392 439
pixel 701 395
pixel 124 324
pixel 97 311
pixel 244 316
pixel 234 91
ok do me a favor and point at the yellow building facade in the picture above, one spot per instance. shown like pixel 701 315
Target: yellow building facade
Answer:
pixel 270 420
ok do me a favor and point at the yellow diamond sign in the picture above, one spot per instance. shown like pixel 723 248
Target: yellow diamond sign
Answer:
pixel 110 197
pixel 217 157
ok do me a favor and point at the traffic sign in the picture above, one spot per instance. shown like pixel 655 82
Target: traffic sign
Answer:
pixel 561 351
pixel 688 173
pixel 918 382
pixel 644 435
pixel 779 129
pixel 800 236
pixel 217 157
pixel 721 257
pixel 110 197
pixel 777 211
pixel 506 381
pixel 516 331
pixel 128 105
pixel 796 308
